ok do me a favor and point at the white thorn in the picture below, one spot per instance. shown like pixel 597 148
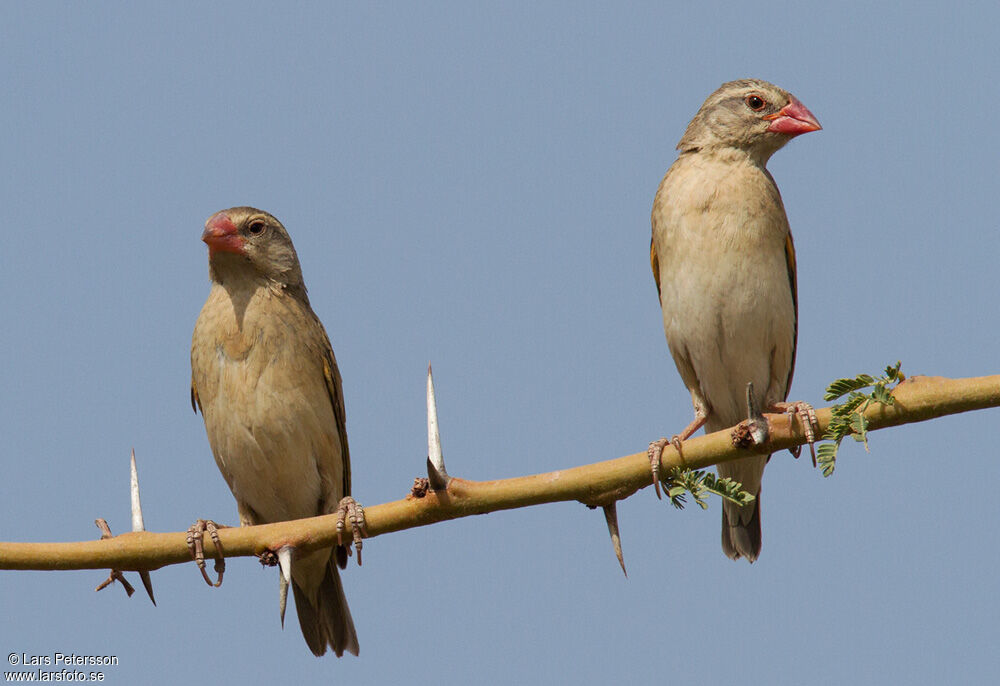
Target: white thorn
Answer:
pixel 137 523
pixel 756 421
pixel 282 597
pixel 433 434
pixel 434 455
pixel 285 562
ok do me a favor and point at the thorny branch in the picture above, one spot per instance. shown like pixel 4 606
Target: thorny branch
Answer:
pixel 917 399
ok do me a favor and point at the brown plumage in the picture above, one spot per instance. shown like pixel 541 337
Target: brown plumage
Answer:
pixel 724 264
pixel 266 381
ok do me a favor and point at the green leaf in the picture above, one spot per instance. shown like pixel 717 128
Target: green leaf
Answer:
pixel 882 394
pixel 847 418
pixel 859 425
pixel 843 386
pixel 849 406
pixel 893 373
pixel 700 484
pixel 826 457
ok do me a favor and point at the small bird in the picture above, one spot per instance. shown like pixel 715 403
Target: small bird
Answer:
pixel 724 265
pixel 266 381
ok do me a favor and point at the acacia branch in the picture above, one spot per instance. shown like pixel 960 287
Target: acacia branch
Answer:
pixel 917 399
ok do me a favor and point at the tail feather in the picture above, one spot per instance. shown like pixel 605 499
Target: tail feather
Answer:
pixel 741 530
pixel 741 525
pixel 326 620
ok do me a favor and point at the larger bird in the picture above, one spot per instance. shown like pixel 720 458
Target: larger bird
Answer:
pixel 724 265
pixel 267 383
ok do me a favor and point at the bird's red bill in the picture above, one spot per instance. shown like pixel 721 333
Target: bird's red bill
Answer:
pixel 793 119
pixel 221 235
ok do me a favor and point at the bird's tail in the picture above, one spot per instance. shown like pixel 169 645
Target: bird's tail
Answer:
pixel 324 616
pixel 741 524
pixel 741 530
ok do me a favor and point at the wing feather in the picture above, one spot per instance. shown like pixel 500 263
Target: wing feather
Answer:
pixel 793 284
pixel 335 389
pixel 654 262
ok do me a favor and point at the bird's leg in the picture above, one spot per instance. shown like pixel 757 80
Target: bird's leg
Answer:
pixel 350 509
pixel 807 417
pixel 196 544
pixel 656 447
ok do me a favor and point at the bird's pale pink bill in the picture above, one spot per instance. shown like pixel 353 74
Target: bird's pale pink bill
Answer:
pixel 221 235
pixel 793 119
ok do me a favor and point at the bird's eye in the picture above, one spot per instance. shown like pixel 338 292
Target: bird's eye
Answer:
pixel 256 227
pixel 755 102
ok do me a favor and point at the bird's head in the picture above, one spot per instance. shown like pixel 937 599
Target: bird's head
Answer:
pixel 244 242
pixel 750 115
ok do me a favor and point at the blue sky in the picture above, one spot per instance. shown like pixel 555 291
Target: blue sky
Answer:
pixel 471 186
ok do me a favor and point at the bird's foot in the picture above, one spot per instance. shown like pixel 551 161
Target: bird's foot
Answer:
pixel 196 544
pixel 350 510
pixel 656 447
pixel 810 424
pixel 655 451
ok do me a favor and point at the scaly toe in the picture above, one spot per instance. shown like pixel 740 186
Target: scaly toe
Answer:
pixel 351 510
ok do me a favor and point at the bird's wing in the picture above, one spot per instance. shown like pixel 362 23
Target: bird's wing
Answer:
pixel 793 284
pixel 195 400
pixel 335 389
pixel 654 262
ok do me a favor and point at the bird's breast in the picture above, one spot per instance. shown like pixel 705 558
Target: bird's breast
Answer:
pixel 266 407
pixel 720 233
pixel 236 347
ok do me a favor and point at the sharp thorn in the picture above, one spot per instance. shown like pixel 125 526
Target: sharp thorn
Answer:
pixel 137 522
pixel 282 597
pixel 129 590
pixel 611 517
pixel 114 576
pixel 436 473
pixel 102 524
pixel 285 562
pixel 434 479
pixel 756 421
pixel 148 585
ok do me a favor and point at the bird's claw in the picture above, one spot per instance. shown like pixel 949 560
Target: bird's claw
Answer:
pixel 810 423
pixel 676 441
pixel 196 544
pixel 655 452
pixel 350 510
